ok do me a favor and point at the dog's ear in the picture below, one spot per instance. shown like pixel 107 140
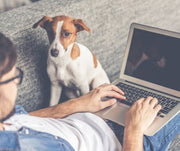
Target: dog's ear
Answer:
pixel 43 22
pixel 79 24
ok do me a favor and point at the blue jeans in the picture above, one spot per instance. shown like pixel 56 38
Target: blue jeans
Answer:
pixel 158 142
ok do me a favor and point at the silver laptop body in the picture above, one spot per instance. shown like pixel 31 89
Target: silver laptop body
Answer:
pixel 151 63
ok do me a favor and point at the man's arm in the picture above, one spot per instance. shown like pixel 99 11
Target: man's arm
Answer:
pixel 91 102
pixel 58 111
pixel 133 140
pixel 138 118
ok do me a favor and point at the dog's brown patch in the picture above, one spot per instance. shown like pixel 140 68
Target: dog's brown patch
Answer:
pixel 42 22
pixel 68 27
pixel 75 52
pixel 94 60
pixel 80 26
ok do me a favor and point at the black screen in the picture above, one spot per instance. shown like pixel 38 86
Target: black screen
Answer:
pixel 154 58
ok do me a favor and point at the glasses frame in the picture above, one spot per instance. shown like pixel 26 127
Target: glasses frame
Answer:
pixel 20 76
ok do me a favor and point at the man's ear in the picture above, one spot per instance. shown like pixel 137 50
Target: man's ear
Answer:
pixel 79 24
pixel 43 22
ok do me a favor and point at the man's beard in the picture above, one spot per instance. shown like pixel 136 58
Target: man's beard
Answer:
pixel 9 115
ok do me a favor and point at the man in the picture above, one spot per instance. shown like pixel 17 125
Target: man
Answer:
pixel 61 127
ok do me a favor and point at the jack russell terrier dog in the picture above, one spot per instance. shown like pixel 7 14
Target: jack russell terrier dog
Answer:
pixel 70 65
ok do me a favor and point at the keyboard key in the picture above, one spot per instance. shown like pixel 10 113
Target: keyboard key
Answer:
pixel 125 102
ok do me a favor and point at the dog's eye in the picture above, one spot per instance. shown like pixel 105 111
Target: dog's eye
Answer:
pixel 66 34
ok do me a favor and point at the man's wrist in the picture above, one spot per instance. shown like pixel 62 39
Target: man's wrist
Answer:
pixel 133 139
pixel 79 105
pixel 134 130
pixel 75 105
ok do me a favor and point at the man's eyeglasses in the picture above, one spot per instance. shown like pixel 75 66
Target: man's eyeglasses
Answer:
pixel 17 78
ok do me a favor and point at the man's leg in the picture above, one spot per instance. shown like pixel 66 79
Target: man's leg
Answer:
pixel 161 140
pixel 117 129
pixel 158 142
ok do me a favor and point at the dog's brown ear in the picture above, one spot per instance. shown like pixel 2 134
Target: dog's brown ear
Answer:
pixel 43 22
pixel 80 25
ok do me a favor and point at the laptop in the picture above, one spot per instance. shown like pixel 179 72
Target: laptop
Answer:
pixel 150 68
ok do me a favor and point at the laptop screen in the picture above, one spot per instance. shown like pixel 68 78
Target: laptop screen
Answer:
pixel 155 58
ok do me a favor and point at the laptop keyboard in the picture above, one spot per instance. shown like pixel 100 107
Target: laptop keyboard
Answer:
pixel 132 94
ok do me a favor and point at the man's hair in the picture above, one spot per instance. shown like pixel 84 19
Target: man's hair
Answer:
pixel 8 55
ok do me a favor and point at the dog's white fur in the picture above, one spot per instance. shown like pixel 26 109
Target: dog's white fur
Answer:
pixel 77 76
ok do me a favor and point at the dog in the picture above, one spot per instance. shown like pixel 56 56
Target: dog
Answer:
pixel 70 65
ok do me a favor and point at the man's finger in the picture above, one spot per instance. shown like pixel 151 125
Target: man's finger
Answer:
pixel 112 87
pixel 157 108
pixel 115 88
pixel 154 102
pixel 140 101
pixel 148 100
pixel 113 94
pixel 108 103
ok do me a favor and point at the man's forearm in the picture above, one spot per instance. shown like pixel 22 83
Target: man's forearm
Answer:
pixel 60 110
pixel 133 140
pixel 90 102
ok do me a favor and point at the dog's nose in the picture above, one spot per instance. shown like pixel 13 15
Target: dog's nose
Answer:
pixel 54 52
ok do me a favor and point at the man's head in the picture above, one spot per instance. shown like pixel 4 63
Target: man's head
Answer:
pixel 8 55
pixel 10 76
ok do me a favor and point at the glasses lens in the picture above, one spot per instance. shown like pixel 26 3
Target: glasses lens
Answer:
pixel 17 79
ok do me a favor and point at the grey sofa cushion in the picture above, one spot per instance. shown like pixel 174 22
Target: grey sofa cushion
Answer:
pixel 109 21
pixel 9 4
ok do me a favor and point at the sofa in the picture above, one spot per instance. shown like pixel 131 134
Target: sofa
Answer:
pixel 6 5
pixel 109 21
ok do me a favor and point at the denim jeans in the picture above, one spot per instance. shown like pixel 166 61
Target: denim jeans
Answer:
pixel 158 142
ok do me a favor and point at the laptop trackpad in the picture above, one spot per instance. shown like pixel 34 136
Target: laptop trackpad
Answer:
pixel 117 113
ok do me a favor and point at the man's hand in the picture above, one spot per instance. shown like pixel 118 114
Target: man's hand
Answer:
pixel 142 113
pixel 93 101
pixel 138 118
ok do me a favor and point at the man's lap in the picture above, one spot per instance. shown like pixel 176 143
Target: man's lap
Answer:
pixel 162 139
pixel 159 141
